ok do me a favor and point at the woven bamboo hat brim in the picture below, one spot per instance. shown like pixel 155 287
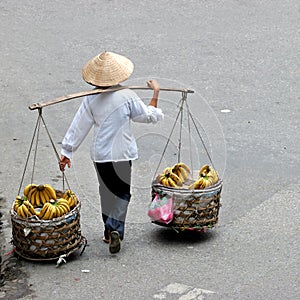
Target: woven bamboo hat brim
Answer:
pixel 107 69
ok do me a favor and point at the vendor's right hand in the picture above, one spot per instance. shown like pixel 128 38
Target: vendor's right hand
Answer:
pixel 153 84
pixel 63 162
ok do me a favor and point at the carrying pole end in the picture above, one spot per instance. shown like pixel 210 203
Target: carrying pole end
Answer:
pixel 34 106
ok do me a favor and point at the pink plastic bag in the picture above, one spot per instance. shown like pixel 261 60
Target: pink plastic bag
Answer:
pixel 161 209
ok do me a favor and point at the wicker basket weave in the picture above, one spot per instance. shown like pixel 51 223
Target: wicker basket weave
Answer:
pixel 36 239
pixel 198 209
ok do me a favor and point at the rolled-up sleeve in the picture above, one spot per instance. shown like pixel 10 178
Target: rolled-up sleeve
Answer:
pixel 142 113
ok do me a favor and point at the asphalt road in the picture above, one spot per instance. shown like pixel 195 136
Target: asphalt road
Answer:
pixel 242 60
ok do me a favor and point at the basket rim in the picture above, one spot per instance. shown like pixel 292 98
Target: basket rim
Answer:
pixel 211 188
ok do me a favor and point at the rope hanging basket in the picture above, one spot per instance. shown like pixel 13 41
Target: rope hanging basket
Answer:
pixel 195 205
pixel 36 239
pixel 56 233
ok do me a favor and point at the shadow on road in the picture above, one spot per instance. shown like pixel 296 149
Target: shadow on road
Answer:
pixel 170 236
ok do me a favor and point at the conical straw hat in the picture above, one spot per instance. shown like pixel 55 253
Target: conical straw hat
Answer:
pixel 107 69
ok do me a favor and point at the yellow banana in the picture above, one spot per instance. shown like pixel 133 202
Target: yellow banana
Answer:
pixel 184 166
pixel 178 173
pixel 37 198
pixel 71 202
pixel 53 212
pixel 31 196
pixel 214 175
pixel 43 210
pixel 47 213
pixel 20 211
pixel 161 177
pixel 64 204
pixel 208 175
pixel 43 196
pixel 74 202
pixel 18 202
pixel 198 184
pixel 28 188
pixel 176 179
pixel 16 206
pixel 58 212
pixel 29 206
pixel 63 209
pixel 67 194
pixel 165 182
pixel 71 198
pixel 171 182
pixel 167 170
pixel 204 170
pixel 24 212
pixel 204 182
pixel 66 207
pixel 183 172
pixel 210 181
pixel 171 177
pixel 51 191
pixel 47 195
pixel 62 200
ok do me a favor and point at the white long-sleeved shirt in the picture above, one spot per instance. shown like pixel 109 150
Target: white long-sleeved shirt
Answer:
pixel 110 113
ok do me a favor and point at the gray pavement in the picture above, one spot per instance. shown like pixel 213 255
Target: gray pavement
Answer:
pixel 241 59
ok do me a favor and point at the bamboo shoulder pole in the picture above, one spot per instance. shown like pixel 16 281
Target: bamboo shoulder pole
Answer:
pixel 98 91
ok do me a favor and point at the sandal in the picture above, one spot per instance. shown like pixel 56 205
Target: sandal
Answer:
pixel 115 242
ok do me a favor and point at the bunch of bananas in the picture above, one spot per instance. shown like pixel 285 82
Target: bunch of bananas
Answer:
pixel 182 171
pixel 54 209
pixel 174 176
pixel 43 202
pixel 39 194
pixel 71 197
pixel 23 207
pixel 207 177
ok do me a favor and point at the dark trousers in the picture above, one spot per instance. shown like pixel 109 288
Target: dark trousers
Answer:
pixel 114 188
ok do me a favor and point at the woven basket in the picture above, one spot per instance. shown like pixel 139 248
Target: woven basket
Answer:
pixel 36 239
pixel 193 209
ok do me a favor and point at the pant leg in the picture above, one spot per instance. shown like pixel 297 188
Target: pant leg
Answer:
pixel 114 188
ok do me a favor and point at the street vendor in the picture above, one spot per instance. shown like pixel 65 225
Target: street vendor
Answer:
pixel 113 147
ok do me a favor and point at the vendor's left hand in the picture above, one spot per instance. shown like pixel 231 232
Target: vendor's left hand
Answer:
pixel 63 162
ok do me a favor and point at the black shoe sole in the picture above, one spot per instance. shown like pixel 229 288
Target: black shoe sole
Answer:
pixel 115 242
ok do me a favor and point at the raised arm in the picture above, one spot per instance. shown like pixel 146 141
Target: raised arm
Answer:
pixel 153 84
